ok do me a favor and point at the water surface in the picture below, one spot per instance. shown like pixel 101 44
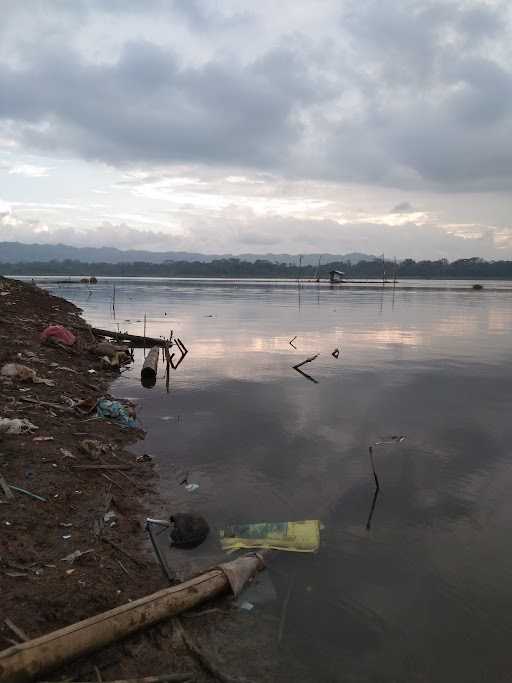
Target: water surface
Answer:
pixel 425 593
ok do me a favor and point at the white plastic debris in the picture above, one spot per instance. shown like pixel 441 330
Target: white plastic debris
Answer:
pixel 191 487
pixel 248 606
pixel 24 374
pixel 75 555
pixel 16 425
pixel 18 371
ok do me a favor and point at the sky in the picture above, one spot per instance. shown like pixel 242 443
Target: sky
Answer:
pixel 232 126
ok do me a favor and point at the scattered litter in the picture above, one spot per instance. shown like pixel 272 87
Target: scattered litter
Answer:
pixel 70 571
pixel 86 406
pixel 65 524
pixel 166 417
pixel 7 523
pixel 43 438
pixel 24 374
pixel 21 372
pixel 188 531
pixel 75 555
pixel 59 333
pixel 336 353
pixel 67 454
pixel 109 516
pixel 16 425
pixel 248 606
pixel 144 458
pixel 91 371
pixel 302 537
pixel 115 411
pixel 67 537
pixel 391 440
pixel 92 447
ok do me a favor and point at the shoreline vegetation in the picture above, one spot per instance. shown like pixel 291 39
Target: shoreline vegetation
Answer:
pixel 469 268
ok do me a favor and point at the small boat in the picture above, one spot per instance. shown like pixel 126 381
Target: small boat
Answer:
pixel 336 276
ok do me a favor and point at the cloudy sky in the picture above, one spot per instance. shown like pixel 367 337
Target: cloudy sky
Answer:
pixel 232 126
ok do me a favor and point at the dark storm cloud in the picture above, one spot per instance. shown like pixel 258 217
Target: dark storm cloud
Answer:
pixel 408 94
pixel 145 107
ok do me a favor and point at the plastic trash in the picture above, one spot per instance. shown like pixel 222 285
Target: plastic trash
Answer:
pixel 19 372
pixel 92 447
pixel 16 425
pixel 188 531
pixel 246 605
pixel 24 374
pixel 115 411
pixel 59 333
pixel 191 487
pixel 300 537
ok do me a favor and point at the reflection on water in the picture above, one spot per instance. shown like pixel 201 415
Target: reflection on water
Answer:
pixel 424 593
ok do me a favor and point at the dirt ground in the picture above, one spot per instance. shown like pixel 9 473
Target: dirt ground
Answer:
pixel 43 591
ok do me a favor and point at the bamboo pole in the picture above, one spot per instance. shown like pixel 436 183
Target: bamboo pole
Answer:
pixel 149 368
pixel 31 659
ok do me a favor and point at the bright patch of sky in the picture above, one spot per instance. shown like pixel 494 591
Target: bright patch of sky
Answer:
pixel 234 126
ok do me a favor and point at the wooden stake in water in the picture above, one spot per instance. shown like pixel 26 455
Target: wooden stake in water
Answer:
pixel 370 451
pixel 144 330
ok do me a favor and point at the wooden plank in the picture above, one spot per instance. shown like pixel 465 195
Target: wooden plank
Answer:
pixel 135 339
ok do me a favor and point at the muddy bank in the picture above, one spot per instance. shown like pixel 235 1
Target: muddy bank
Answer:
pixel 88 510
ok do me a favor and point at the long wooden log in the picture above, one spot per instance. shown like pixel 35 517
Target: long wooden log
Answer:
pixel 31 659
pixel 149 367
pixel 134 339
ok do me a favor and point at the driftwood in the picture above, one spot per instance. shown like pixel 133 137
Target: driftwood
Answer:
pixel 150 367
pixel 32 659
pixel 134 339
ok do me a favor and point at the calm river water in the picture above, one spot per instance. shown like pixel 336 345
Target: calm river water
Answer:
pixel 425 593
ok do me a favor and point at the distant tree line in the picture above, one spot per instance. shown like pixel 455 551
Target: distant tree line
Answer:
pixel 233 267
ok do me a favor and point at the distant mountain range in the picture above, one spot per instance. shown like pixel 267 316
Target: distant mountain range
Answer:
pixel 16 252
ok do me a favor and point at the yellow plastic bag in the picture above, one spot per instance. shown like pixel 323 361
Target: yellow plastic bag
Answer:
pixel 298 537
